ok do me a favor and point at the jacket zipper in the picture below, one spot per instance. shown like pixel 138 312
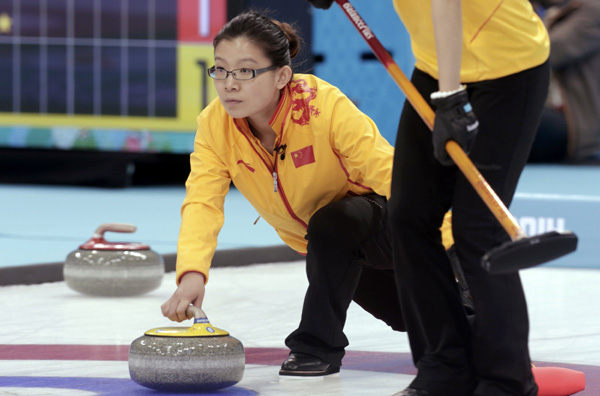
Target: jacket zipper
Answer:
pixel 276 181
pixel 279 189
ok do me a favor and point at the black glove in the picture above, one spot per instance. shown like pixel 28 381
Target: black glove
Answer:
pixel 454 120
pixel 322 4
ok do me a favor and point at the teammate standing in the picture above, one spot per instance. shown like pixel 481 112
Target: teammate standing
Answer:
pixel 483 66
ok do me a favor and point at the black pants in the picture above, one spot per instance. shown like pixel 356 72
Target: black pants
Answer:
pixel 492 358
pixel 349 258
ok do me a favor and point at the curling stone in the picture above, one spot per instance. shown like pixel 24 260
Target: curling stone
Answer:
pixel 102 268
pixel 187 359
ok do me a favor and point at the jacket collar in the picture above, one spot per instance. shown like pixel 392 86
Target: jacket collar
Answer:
pixel 280 116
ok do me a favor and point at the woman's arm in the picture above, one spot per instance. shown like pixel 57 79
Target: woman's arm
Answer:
pixel 454 117
pixel 202 217
pixel 447 26
pixel 360 145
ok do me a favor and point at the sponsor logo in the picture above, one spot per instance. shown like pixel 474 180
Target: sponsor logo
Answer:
pixel 539 225
pixel 360 24
pixel 251 169
pixel 473 126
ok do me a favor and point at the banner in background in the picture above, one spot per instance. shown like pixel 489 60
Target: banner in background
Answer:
pixel 105 74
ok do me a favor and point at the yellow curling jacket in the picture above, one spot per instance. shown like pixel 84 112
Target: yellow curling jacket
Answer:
pixel 500 37
pixel 328 149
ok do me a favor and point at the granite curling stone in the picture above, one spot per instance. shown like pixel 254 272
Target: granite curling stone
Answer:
pixel 180 359
pixel 113 269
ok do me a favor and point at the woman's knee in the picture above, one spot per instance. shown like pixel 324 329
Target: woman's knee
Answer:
pixel 329 226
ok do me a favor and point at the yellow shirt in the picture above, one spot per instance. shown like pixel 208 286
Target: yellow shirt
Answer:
pixel 500 37
pixel 332 150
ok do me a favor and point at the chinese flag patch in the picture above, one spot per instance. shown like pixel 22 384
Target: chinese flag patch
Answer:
pixel 304 156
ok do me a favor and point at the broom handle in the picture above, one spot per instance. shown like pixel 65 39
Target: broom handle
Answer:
pixel 487 194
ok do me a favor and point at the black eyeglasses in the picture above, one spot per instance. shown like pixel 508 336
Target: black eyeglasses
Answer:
pixel 218 73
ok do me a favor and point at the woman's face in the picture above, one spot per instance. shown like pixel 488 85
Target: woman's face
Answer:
pixel 256 98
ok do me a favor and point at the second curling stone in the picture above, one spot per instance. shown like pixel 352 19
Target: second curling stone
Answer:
pixel 102 268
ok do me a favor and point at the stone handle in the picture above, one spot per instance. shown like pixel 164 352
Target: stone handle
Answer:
pixel 114 227
pixel 195 312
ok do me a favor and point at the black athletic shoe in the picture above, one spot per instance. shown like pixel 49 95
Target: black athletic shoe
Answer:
pixel 302 365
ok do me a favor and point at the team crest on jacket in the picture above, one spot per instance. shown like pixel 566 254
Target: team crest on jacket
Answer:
pixel 302 95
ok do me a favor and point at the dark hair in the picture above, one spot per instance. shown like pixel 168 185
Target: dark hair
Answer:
pixel 278 40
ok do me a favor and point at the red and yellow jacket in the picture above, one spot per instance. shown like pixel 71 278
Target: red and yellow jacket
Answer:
pixel 328 149
pixel 500 37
